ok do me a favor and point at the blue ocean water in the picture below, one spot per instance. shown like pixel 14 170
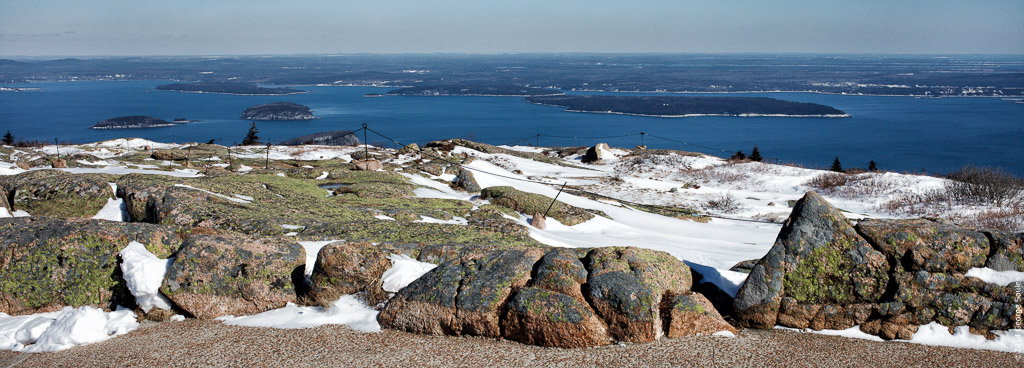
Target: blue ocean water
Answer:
pixel 899 133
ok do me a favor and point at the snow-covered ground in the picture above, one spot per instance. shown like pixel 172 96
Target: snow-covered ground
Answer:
pixel 750 201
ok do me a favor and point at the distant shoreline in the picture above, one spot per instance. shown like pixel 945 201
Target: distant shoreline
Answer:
pixel 233 94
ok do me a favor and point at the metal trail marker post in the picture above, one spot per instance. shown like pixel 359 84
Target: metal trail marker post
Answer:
pixel 266 164
pixel 366 149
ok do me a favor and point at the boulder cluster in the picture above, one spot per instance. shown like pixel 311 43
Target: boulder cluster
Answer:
pixel 887 276
pixel 235 244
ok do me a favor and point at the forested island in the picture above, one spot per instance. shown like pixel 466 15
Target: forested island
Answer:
pixel 134 122
pixel 680 106
pixel 477 90
pixel 229 88
pixel 278 111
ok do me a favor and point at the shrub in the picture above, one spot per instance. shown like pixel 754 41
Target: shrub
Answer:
pixel 725 203
pixel 981 185
pixel 827 182
pixel 755 155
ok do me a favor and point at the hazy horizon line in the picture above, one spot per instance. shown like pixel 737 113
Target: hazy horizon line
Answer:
pixel 88 56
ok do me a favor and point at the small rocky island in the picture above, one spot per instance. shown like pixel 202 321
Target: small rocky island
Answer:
pixel 468 90
pixel 680 106
pixel 229 89
pixel 278 111
pixel 135 122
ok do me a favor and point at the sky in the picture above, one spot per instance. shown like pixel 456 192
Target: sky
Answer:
pixel 229 27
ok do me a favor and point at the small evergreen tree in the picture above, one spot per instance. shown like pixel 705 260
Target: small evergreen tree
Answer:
pixel 739 155
pixel 836 166
pixel 211 141
pixel 8 138
pixel 872 166
pixel 251 138
pixel 755 155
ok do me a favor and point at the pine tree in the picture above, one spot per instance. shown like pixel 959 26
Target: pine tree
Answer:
pixel 872 166
pixel 8 138
pixel 836 166
pixel 251 138
pixel 739 155
pixel 755 155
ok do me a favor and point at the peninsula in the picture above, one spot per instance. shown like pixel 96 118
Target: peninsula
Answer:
pixel 278 111
pixel 228 89
pixel 679 106
pixel 470 90
pixel 134 122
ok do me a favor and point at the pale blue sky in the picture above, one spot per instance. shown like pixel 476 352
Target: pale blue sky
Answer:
pixel 122 27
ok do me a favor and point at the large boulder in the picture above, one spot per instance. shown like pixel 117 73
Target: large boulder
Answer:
pixel 552 310
pixel 530 203
pixel 818 258
pixel 348 268
pixel 888 276
pixel 49 263
pixel 217 275
pixel 465 180
pixel 627 286
pixel 922 245
pixel 693 314
pixel 463 297
pixel 562 298
pixel 596 153
pixel 56 193
pixel 548 318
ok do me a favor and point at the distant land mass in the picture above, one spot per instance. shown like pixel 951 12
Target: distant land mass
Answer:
pixel 480 90
pixel 278 111
pixel 680 106
pixel 228 88
pixel 332 138
pixel 134 122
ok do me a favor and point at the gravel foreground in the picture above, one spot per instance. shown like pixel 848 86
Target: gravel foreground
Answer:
pixel 210 343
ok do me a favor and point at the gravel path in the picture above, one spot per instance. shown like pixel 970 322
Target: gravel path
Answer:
pixel 210 343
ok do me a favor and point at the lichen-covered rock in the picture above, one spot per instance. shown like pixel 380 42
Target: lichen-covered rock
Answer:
pixel 626 287
pixel 1007 253
pixel 692 314
pixel 347 268
pixel 818 258
pixel 56 193
pixel 466 181
pixel 168 154
pixel 560 270
pixel 409 149
pixel 531 203
pixel 212 276
pixel 482 284
pixel 549 318
pixel 48 263
pixel 922 245
pixel 367 165
pixel 952 299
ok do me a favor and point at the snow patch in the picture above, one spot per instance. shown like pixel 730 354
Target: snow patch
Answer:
pixel 312 248
pixel 64 329
pixel 347 310
pixel 114 210
pixel 236 200
pixel 1001 278
pixel 384 217
pixel 456 220
pixel 143 273
pixel 404 270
